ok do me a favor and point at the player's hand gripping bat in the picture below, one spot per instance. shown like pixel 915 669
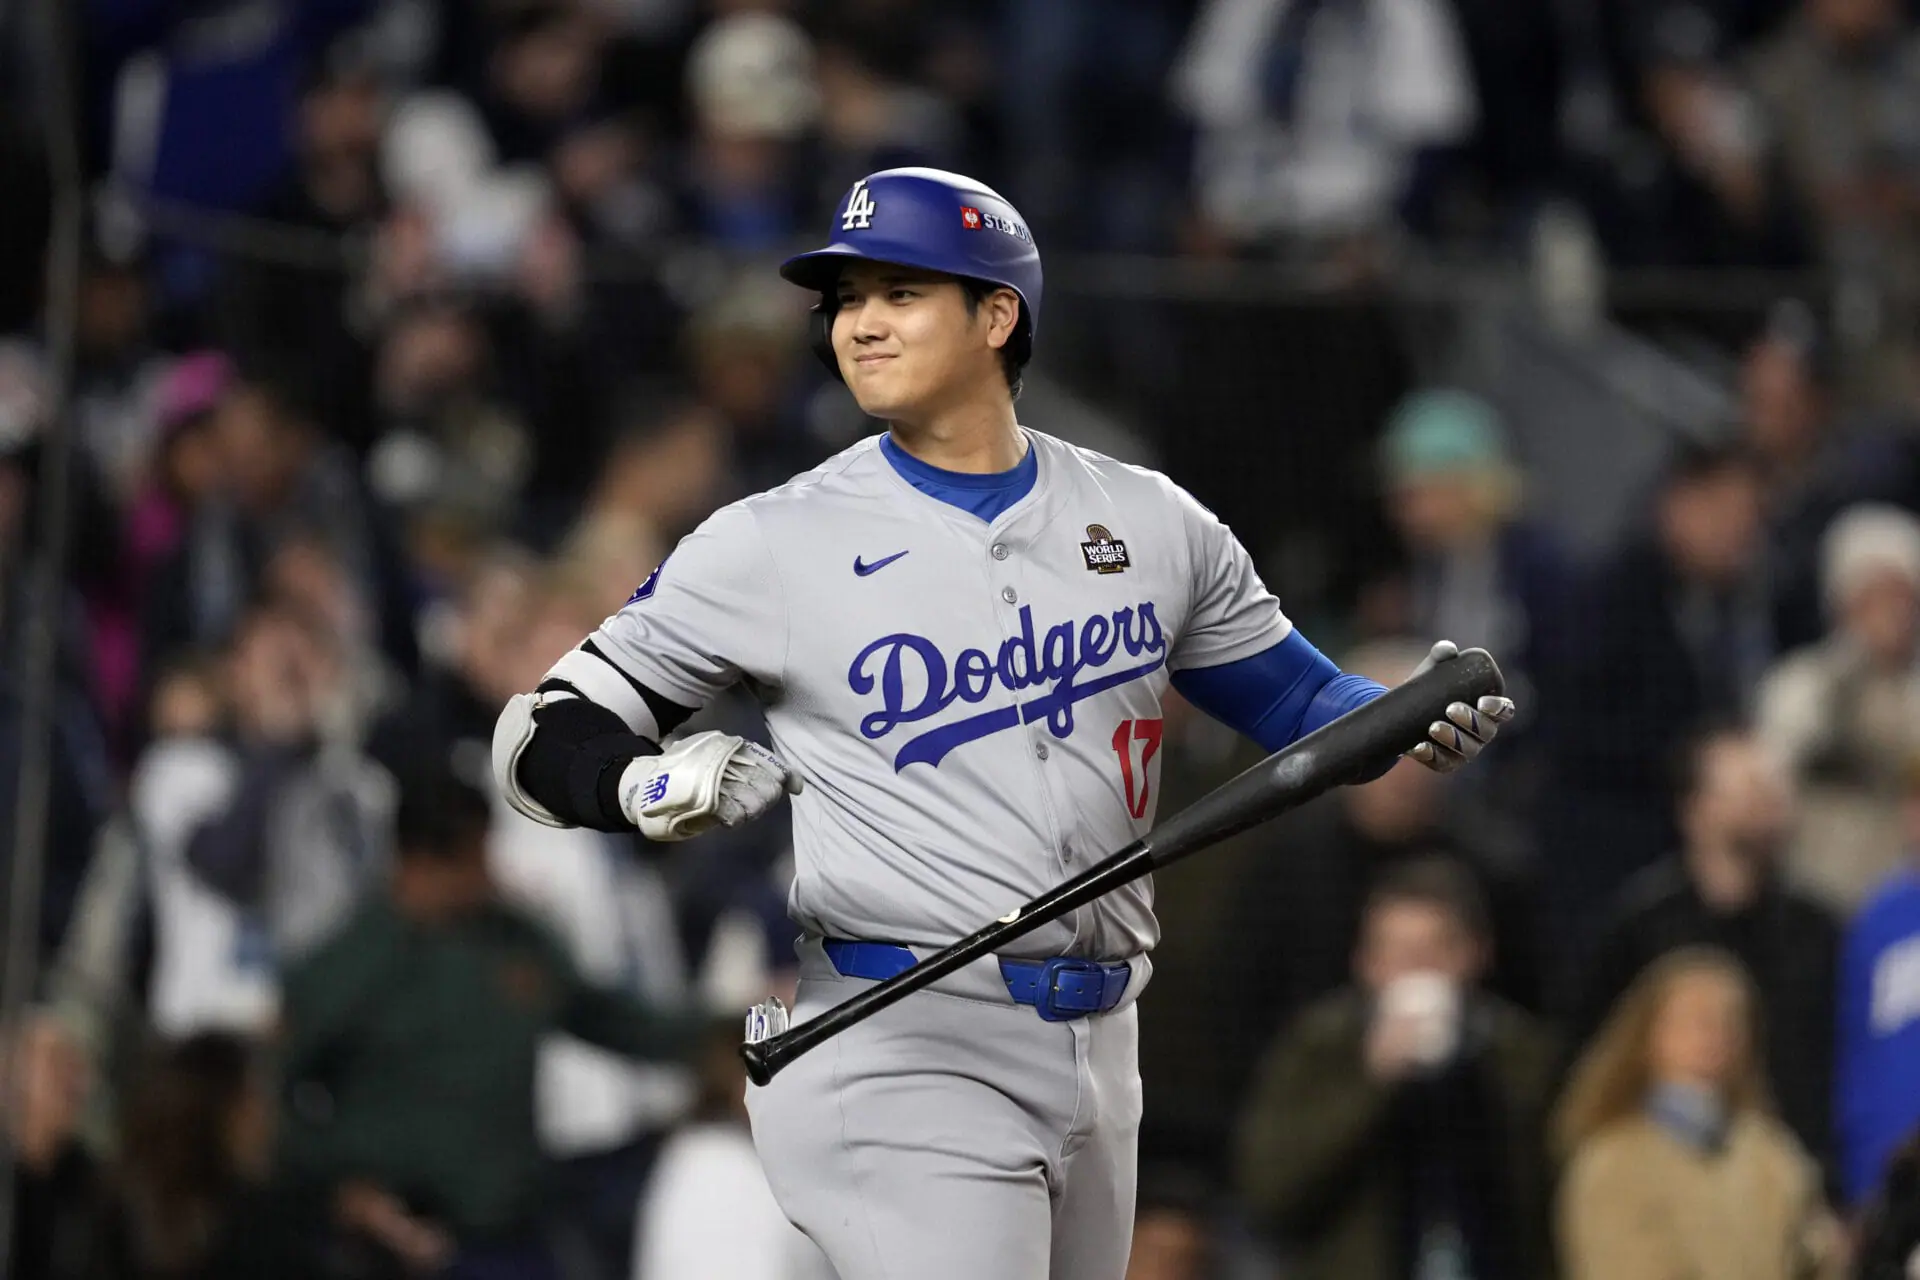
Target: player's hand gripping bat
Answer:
pixel 1356 745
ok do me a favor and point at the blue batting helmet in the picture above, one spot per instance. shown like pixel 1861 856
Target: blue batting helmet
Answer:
pixel 934 220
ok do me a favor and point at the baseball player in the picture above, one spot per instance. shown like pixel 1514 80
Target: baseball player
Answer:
pixel 962 630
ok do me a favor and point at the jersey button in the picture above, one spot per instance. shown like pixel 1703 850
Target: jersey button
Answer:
pixel 1000 551
pixel 1040 749
pixel 1009 594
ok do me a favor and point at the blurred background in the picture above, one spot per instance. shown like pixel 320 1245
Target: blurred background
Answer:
pixel 358 356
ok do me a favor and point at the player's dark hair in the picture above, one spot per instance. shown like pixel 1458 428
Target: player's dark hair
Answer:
pixel 977 292
pixel 1434 880
pixel 441 817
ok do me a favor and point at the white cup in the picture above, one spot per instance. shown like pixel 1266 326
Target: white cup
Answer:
pixel 1430 1002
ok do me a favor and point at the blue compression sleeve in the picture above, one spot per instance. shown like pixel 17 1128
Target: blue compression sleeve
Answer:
pixel 1277 695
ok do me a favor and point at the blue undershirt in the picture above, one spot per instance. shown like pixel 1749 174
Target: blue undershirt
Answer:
pixel 1277 695
pixel 1274 696
pixel 985 496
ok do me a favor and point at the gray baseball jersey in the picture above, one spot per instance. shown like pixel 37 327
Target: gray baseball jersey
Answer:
pixel 974 707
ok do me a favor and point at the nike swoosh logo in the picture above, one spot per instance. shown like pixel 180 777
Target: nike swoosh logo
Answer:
pixel 864 569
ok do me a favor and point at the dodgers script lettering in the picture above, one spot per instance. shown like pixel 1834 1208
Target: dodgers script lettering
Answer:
pixel 897 664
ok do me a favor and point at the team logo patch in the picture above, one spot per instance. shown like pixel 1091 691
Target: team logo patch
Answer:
pixel 969 217
pixel 645 590
pixel 858 215
pixel 1104 552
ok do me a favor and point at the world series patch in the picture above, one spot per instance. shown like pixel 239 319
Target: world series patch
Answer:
pixel 1104 552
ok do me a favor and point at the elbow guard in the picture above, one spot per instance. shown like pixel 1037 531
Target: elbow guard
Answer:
pixel 557 758
pixel 558 752
pixel 511 734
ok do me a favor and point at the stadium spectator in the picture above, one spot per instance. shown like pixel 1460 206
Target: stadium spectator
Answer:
pixel 542 79
pixel 62 1198
pixel 743 353
pixel 1876 1105
pixel 1394 1128
pixel 426 1011
pixel 1838 84
pixel 1693 179
pixel 1723 888
pixel 754 95
pixel 303 827
pixel 260 819
pixel 1676 1165
pixel 448 441
pixel 1842 714
pixel 297 321
pixel 1477 568
pixel 209 964
pixel 1816 459
pixel 1671 629
pixel 199 1197
pixel 471 664
pixel 1314 120
pixel 116 362
pixel 179 476
pixel 277 475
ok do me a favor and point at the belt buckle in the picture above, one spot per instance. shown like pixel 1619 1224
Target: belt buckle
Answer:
pixel 1049 987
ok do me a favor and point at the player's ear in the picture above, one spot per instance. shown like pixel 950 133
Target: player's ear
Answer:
pixel 1002 309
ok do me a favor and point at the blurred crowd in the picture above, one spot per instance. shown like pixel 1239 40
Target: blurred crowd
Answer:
pixel 412 333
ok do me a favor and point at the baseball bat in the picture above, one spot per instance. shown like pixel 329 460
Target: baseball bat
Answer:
pixel 1362 742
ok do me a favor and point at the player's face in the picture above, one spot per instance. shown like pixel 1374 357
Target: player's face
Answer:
pixel 908 344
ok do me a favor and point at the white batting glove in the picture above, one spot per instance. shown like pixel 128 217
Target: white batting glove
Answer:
pixel 706 780
pixel 1459 738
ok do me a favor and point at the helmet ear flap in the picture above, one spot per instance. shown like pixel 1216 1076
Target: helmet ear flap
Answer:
pixel 820 333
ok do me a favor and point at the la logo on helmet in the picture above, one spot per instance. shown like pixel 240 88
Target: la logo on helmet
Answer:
pixel 860 207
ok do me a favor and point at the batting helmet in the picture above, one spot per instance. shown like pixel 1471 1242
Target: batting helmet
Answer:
pixel 934 220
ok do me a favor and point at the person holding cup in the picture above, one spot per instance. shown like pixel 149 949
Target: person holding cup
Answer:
pixel 1393 1130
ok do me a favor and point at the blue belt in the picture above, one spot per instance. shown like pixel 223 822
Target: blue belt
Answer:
pixel 1060 989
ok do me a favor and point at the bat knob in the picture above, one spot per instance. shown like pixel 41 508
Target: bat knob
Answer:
pixel 759 1069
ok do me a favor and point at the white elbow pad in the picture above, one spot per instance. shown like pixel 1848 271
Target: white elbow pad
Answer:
pixel 511 734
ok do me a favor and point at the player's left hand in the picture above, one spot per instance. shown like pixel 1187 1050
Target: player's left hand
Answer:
pixel 702 781
pixel 1457 739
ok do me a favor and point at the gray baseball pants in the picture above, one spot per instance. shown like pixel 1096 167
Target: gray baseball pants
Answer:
pixel 956 1136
